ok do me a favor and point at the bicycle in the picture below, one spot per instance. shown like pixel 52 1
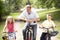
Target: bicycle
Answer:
pixel 6 37
pixel 48 36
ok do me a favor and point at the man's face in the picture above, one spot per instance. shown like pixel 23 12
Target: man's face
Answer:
pixel 29 9
pixel 49 17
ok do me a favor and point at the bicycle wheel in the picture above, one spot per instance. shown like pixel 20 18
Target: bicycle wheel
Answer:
pixel 48 37
pixel 31 35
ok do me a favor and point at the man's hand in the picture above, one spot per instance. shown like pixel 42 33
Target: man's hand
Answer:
pixel 36 19
pixel 29 21
pixel 32 20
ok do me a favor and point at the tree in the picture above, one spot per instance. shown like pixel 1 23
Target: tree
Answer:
pixel 48 3
pixel 1 8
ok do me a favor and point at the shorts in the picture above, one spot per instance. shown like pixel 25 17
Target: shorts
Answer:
pixel 11 35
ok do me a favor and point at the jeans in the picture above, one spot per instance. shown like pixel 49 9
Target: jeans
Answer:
pixel 34 28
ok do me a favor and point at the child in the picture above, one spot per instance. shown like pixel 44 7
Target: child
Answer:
pixel 10 27
pixel 47 24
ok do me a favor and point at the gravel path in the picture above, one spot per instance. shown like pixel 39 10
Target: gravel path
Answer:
pixel 20 36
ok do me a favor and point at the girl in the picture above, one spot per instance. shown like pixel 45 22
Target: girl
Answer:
pixel 10 27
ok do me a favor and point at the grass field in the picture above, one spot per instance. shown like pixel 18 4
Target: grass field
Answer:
pixel 41 14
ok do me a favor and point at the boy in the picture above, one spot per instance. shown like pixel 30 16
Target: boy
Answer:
pixel 47 24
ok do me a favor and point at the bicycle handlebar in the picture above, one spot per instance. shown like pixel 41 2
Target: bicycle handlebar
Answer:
pixel 7 32
pixel 45 27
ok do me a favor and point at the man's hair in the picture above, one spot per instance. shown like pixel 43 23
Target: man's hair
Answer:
pixel 49 15
pixel 29 6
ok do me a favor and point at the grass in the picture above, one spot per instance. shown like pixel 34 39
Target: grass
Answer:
pixel 42 15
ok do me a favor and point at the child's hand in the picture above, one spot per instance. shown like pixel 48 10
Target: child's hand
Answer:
pixel 3 32
pixel 40 26
pixel 15 30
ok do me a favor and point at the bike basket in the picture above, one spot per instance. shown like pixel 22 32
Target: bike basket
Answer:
pixel 54 33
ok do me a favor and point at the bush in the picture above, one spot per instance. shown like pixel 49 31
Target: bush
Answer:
pixel 56 15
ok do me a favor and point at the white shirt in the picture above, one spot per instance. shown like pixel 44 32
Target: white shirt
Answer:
pixel 30 16
pixel 48 24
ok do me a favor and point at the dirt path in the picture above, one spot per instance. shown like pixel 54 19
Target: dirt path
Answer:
pixel 39 32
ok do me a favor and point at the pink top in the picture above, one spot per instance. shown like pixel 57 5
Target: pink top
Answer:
pixel 10 27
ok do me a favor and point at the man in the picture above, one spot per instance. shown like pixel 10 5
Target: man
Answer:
pixel 47 24
pixel 31 17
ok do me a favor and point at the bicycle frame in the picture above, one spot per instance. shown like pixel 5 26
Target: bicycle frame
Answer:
pixel 29 34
